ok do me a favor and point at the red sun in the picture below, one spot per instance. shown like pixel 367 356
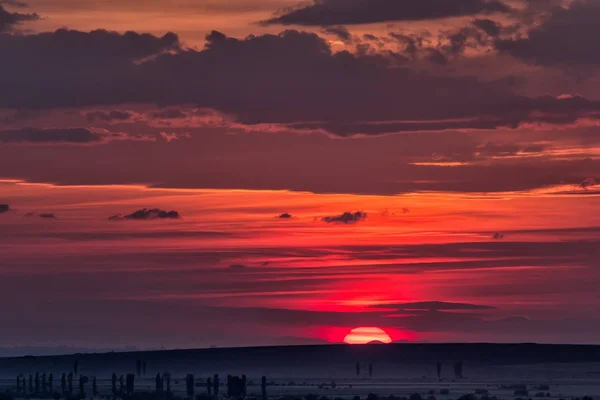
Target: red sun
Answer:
pixel 366 335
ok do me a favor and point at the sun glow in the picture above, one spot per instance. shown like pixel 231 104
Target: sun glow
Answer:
pixel 365 335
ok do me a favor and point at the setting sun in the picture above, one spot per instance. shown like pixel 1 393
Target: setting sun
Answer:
pixel 365 335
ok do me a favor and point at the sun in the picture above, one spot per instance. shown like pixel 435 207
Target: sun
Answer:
pixel 366 335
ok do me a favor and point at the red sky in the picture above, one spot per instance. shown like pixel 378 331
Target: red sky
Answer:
pixel 438 161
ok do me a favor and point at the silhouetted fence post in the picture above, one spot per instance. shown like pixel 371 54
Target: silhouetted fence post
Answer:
pixel 114 384
pixel 357 369
pixel 439 370
pixel 167 378
pixel 209 386
pixel 189 384
pixel 30 383
pixel 51 383
pixel 263 387
pixel 157 383
pixel 370 370
pixel 63 384
pixel 37 383
pixel 217 384
pixel 130 383
pixel 138 367
pixel 70 383
pixel 82 381
pixel 94 387
pixel 144 368
pixel 44 384
pixel 244 385
pixel 121 384
pixel 75 367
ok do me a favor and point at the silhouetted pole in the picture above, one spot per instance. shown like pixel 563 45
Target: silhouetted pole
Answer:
pixel 121 384
pixel 51 383
pixel 130 383
pixel 82 381
pixel 357 369
pixel 70 383
pixel 439 370
pixel 138 367
pixel 63 384
pixel 114 384
pixel 189 383
pixel 37 383
pixel 244 385
pixel 94 387
pixel 157 383
pixel 263 387
pixel 167 378
pixel 144 368
pixel 75 367
pixel 44 384
pixel 370 370
pixel 216 383
pixel 209 386
pixel 30 383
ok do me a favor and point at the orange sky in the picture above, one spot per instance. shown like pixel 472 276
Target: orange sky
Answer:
pixel 230 250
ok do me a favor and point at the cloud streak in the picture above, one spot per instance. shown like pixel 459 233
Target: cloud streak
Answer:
pixel 355 12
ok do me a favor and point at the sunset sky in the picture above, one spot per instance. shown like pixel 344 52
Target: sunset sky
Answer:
pixel 197 173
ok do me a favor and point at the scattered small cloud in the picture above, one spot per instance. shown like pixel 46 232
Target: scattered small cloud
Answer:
pixel 285 216
pixel 589 182
pixel 9 20
pixel 433 306
pixel 169 137
pixel 146 214
pixel 346 218
pixel 47 215
pixel 237 267
pixel 14 3
pixel 41 215
pixel 108 116
pixel 4 208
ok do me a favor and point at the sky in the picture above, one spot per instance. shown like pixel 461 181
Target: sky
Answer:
pixel 205 173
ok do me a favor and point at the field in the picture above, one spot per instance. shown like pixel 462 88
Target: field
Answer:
pixel 552 372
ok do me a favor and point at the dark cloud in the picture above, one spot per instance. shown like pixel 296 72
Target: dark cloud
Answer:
pixel 4 208
pixel 168 113
pixel 340 32
pixel 346 218
pixel 498 236
pixel 47 215
pixel 62 136
pixel 108 116
pixel 147 214
pixel 353 12
pixel 433 306
pixel 488 26
pixel 567 37
pixel 285 79
pixel 589 182
pixel 68 135
pixel 285 216
pixel 14 3
pixel 237 267
pixel 9 20
pixel 41 215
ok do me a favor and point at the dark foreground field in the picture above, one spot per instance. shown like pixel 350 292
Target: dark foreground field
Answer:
pixel 489 370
